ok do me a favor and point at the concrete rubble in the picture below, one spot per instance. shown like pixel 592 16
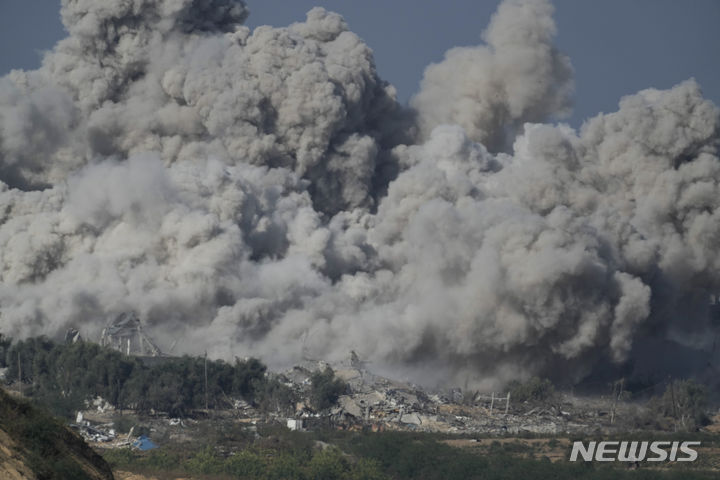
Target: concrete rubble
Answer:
pixel 375 403
pixel 93 433
pixel 105 436
pixel 378 403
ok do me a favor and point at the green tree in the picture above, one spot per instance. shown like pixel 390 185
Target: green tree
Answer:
pixel 245 464
pixel 534 390
pixel 367 469
pixel 64 376
pixel 328 464
pixel 273 396
pixel 5 343
pixel 325 389
pixel 247 375
pixel 684 400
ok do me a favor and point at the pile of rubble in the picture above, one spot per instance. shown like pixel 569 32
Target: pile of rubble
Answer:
pixel 378 403
pixel 372 402
pixel 93 433
pixel 104 434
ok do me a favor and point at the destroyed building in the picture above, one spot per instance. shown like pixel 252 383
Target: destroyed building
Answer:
pixel 377 403
pixel 125 334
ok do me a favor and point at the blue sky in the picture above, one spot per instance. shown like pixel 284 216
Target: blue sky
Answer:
pixel 617 46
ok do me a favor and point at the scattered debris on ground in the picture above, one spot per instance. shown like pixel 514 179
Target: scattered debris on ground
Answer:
pixel 377 403
pixel 371 403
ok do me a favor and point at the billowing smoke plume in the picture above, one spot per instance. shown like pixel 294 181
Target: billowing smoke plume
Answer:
pixel 263 193
pixel 491 91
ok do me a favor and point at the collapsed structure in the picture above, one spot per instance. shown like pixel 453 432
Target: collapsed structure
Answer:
pixel 125 334
pixel 373 402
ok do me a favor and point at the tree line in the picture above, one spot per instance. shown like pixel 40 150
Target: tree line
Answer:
pixel 64 376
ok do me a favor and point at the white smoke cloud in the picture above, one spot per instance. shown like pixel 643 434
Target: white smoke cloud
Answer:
pixel 260 193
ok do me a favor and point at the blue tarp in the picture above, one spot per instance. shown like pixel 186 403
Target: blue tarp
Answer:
pixel 144 443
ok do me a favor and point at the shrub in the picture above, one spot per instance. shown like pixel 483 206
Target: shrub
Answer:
pixel 328 464
pixel 273 396
pixel 245 464
pixel 119 457
pixel 534 390
pixel 162 459
pixel 367 469
pixel 285 467
pixel 684 400
pixel 325 389
pixel 205 462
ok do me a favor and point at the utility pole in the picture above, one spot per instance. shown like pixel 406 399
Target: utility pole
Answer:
pixel 20 373
pixel 206 385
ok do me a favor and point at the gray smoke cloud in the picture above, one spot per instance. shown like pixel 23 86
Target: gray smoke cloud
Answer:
pixel 493 89
pixel 263 193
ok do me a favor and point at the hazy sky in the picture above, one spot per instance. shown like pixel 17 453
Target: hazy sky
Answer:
pixel 617 46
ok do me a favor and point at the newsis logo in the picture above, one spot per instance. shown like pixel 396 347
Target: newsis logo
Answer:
pixel 634 451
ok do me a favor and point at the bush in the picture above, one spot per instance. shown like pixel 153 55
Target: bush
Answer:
pixel 273 396
pixel 162 459
pixel 366 469
pixel 119 457
pixel 285 467
pixel 689 407
pixel 325 389
pixel 534 390
pixel 205 462
pixel 328 464
pixel 245 464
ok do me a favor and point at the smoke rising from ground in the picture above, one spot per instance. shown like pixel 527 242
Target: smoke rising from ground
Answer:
pixel 263 193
